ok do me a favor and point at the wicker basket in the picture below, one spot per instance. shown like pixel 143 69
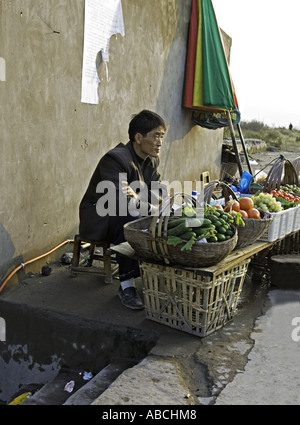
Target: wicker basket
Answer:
pixel 191 302
pixel 253 230
pixel 148 237
pixel 282 172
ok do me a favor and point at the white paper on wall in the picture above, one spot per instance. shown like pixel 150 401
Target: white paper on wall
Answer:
pixel 103 18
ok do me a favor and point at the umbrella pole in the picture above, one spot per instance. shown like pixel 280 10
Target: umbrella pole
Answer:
pixel 244 148
pixel 237 155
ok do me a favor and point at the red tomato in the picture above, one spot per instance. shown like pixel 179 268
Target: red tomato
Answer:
pixel 253 213
pixel 246 203
pixel 243 213
pixel 232 206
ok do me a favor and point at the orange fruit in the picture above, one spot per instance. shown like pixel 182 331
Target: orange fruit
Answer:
pixel 253 213
pixel 246 203
pixel 243 213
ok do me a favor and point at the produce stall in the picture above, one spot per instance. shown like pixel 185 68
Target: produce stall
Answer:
pixel 198 301
pixel 193 268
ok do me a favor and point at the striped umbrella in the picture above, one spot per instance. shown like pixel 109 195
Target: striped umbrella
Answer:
pixel 208 84
pixel 208 88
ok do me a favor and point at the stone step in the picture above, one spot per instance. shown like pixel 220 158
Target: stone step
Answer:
pixel 53 392
pixel 96 386
pixel 84 392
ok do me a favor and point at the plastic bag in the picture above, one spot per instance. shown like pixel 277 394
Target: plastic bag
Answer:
pixel 260 176
pixel 245 182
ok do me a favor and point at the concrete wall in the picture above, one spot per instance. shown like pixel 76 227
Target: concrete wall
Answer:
pixel 50 142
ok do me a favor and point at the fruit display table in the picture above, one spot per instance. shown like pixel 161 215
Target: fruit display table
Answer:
pixel 198 301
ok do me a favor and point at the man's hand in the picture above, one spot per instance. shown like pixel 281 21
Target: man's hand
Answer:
pixel 128 191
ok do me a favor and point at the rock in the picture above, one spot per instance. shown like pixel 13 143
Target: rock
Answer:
pixel 46 270
pixel 155 382
pixel 285 271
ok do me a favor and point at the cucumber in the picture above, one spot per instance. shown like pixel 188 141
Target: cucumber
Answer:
pixel 202 230
pixel 178 230
pixel 212 239
pixel 206 222
pixel 211 217
pixel 206 234
pixel 227 217
pixel 221 237
pixel 173 222
pixel 221 229
pixel 188 235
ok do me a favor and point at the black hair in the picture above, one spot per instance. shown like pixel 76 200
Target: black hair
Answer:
pixel 143 122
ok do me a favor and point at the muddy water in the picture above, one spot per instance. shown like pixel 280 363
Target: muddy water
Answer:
pixel 20 373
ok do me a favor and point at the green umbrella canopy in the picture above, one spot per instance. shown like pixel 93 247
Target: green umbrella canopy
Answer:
pixel 208 84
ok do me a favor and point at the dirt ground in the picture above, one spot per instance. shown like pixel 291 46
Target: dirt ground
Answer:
pixel 261 160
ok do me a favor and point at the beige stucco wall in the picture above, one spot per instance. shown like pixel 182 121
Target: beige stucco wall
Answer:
pixel 50 142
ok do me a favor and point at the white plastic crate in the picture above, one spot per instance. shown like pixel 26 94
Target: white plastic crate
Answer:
pixel 296 223
pixel 282 225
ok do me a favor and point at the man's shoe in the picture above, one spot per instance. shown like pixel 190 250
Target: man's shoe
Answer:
pixel 130 298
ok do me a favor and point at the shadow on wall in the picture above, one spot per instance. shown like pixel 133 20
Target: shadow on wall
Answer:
pixel 7 251
pixel 169 103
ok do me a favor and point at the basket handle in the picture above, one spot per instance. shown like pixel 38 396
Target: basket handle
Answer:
pixel 167 208
pixel 159 224
pixel 227 191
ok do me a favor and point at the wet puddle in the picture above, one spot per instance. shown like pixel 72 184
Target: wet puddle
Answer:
pixel 37 347
pixel 19 373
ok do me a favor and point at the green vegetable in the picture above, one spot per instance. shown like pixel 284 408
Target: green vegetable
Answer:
pixel 188 246
pixel 212 239
pixel 188 235
pixel 178 230
pixel 225 216
pixel 211 217
pixel 173 222
pixel 214 227
pixel 205 236
pixel 239 220
pixel 174 240
pixel 221 229
pixel 285 203
pixel 206 222
pixel 204 230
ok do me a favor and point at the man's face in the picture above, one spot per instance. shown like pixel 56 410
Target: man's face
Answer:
pixel 150 144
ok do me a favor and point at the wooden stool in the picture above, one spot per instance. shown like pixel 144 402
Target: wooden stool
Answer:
pixel 107 270
pixel 205 178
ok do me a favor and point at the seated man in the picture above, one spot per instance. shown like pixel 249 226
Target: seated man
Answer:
pixel 120 191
